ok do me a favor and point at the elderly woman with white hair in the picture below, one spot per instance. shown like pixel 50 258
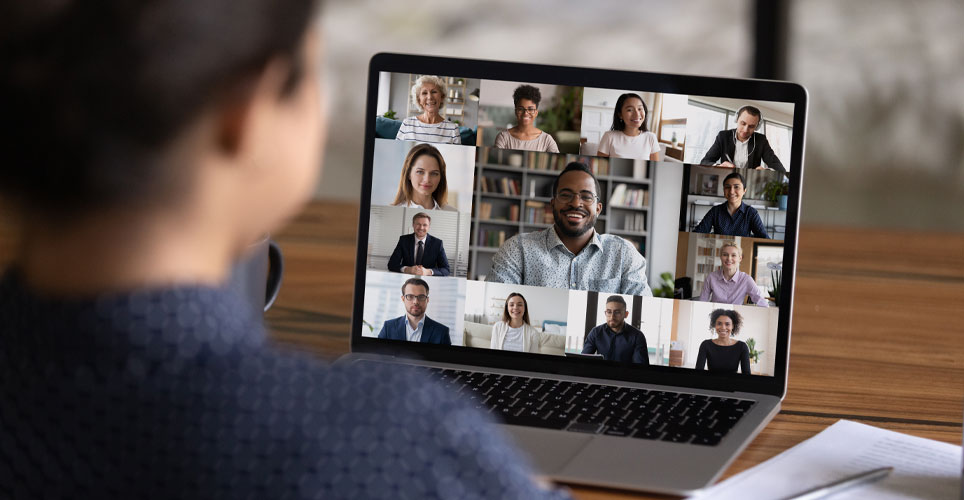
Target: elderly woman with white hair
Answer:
pixel 428 95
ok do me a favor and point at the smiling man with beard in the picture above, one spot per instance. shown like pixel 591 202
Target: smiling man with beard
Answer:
pixel 571 254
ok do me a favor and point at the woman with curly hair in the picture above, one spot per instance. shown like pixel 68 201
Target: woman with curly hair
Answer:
pixel 525 135
pixel 724 353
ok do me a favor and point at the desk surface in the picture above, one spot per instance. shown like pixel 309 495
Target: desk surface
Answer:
pixel 875 329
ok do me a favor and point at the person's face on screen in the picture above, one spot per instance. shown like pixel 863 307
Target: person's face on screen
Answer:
pixel 430 98
pixel 413 305
pixel 730 258
pixel 421 227
pixel 425 175
pixel 517 307
pixel 632 114
pixel 615 315
pixel 733 191
pixel 575 217
pixel 526 112
pixel 746 124
pixel 723 327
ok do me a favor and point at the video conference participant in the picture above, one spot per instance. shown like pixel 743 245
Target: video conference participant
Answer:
pixel 525 135
pixel 570 254
pixel 729 285
pixel 628 137
pixel 733 218
pixel 428 95
pixel 514 332
pixel 423 183
pixel 724 353
pixel 415 325
pixel 743 147
pixel 128 367
pixel 615 339
pixel 419 253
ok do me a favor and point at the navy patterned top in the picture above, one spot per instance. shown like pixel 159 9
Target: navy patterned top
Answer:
pixel 744 222
pixel 174 393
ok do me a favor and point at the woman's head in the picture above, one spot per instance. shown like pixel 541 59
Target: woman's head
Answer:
pixel 526 99
pixel 423 174
pixel 731 255
pixel 630 113
pixel 734 187
pixel 726 322
pixel 428 94
pixel 516 308
pixel 117 106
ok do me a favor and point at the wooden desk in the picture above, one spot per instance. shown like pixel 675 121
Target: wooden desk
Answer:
pixel 876 329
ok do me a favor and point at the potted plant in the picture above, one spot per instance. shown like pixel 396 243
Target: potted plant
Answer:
pixel 777 191
pixel 390 114
pixel 666 287
pixel 562 118
pixel 776 275
pixel 754 354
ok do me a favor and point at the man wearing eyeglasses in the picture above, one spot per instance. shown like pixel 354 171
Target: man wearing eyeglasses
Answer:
pixel 615 339
pixel 571 254
pixel 415 326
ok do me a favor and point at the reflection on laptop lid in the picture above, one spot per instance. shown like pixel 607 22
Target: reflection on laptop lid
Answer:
pixel 626 236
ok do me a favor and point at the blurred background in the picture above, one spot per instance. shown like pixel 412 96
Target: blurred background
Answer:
pixel 885 136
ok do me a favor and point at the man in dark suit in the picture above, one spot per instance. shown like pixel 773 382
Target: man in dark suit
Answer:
pixel 743 147
pixel 419 253
pixel 415 326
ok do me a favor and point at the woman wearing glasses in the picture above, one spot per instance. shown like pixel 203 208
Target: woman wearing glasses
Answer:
pixel 628 137
pixel 525 135
pixel 514 332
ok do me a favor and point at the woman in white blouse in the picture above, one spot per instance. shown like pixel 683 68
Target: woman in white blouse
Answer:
pixel 514 333
pixel 629 137
pixel 423 184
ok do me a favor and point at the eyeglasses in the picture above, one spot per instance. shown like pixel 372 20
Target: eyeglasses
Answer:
pixel 411 298
pixel 611 313
pixel 568 196
pixel 530 110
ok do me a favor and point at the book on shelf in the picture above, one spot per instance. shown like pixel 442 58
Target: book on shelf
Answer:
pixel 624 196
pixel 491 238
pixel 635 222
pixel 514 213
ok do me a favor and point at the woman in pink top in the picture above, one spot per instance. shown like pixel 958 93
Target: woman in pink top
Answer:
pixel 629 137
pixel 729 285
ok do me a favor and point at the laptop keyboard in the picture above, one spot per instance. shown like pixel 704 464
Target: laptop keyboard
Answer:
pixel 597 409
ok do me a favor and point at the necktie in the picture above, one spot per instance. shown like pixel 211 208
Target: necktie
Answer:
pixel 418 254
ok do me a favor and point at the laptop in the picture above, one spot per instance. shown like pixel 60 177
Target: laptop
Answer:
pixel 603 260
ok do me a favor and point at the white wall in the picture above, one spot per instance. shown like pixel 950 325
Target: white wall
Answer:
pixel 499 93
pixel 664 233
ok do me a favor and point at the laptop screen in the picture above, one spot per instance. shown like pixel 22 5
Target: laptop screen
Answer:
pixel 620 226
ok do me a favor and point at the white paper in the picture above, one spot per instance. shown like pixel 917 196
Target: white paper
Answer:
pixel 923 468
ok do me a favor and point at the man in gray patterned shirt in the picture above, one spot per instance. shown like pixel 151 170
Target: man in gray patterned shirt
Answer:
pixel 570 254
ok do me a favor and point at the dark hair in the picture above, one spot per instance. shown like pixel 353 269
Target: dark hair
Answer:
pixel 421 215
pixel 405 188
pixel 735 175
pixel 618 299
pixel 576 167
pixel 752 110
pixel 505 310
pixel 733 315
pixel 414 282
pixel 526 92
pixel 618 123
pixel 92 93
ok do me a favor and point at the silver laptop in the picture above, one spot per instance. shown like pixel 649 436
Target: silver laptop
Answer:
pixel 603 260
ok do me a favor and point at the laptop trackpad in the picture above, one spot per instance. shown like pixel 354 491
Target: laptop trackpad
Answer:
pixel 549 451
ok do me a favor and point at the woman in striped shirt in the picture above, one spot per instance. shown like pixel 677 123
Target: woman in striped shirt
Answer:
pixel 428 95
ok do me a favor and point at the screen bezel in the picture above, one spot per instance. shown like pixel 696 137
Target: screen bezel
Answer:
pixel 767 90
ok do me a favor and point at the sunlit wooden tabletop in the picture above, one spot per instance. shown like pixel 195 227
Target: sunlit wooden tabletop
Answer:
pixel 877 335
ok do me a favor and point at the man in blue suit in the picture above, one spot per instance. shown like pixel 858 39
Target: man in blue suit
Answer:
pixel 415 326
pixel 419 253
